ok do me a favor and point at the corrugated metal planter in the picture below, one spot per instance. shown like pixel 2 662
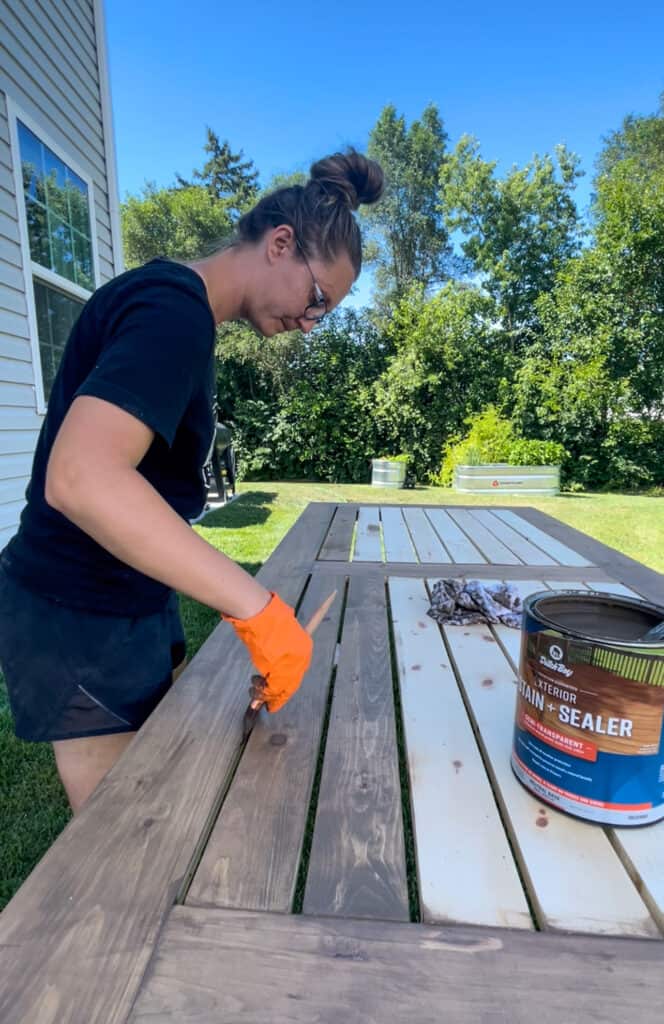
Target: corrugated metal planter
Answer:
pixel 498 476
pixel 385 473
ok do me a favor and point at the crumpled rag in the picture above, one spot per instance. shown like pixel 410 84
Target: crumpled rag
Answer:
pixel 459 602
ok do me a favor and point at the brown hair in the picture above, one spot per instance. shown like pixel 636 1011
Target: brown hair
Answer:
pixel 321 212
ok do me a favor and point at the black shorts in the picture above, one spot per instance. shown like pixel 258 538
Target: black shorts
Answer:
pixel 72 673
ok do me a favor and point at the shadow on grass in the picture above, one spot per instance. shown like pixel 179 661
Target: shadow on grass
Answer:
pixel 251 508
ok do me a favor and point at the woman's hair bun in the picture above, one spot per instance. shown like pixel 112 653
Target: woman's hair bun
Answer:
pixel 353 177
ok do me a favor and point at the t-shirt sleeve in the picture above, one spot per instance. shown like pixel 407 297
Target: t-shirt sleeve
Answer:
pixel 158 351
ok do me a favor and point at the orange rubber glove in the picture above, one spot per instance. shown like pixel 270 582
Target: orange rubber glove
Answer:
pixel 279 648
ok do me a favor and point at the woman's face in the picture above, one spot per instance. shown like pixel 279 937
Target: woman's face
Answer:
pixel 290 284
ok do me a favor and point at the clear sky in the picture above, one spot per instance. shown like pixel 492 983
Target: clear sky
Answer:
pixel 288 83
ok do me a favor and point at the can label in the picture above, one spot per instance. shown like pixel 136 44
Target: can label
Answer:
pixel 588 728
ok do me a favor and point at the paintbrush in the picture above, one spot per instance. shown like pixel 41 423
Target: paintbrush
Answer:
pixel 258 682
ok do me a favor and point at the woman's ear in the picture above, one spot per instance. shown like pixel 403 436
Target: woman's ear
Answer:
pixel 279 241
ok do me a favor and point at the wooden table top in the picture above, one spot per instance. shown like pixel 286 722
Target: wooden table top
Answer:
pixel 369 847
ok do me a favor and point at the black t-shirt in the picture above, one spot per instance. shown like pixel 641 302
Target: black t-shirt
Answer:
pixel 145 342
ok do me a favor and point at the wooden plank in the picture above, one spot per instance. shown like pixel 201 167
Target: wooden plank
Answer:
pixel 616 566
pixel 642 852
pixel 593 577
pixel 336 546
pixel 575 880
pixel 234 967
pixel 611 587
pixel 76 938
pixel 493 549
pixel 458 545
pixel 465 868
pixel 427 543
pixel 527 552
pixel 252 856
pixel 367 540
pixel 398 545
pixel 358 866
pixel 561 552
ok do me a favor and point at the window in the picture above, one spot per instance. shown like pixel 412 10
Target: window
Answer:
pixel 59 246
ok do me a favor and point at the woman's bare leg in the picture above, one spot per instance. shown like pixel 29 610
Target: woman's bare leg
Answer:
pixel 83 763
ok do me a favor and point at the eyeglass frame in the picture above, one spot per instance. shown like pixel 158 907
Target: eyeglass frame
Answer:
pixel 318 292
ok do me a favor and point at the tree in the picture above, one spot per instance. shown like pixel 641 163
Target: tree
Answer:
pixel 411 242
pixel 595 380
pixel 228 179
pixel 519 230
pixel 182 223
pixel 447 363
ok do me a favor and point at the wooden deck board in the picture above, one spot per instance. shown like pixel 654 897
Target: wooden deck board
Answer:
pixel 336 546
pixel 398 545
pixel 561 552
pixel 491 547
pixel 358 865
pixel 75 939
pixel 367 542
pixel 234 967
pixel 252 856
pixel 428 544
pixel 457 543
pixel 575 881
pixel 466 871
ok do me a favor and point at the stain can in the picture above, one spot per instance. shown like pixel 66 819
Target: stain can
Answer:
pixel 588 735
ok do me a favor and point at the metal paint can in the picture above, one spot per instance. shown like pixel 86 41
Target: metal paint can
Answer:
pixel 588 735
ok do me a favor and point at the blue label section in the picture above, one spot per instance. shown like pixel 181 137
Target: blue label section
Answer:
pixel 611 779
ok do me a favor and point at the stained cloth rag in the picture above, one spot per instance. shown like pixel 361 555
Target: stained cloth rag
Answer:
pixel 459 602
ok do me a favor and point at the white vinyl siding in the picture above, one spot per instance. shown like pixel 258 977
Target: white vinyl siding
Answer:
pixel 50 57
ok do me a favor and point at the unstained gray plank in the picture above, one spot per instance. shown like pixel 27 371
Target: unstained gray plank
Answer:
pixel 357 866
pixel 234 967
pixel 339 538
pixel 252 856
pixel 527 552
pixel 398 545
pixel 428 544
pixel 367 539
pixel 491 547
pixel 561 552
pixel 77 936
pixel 459 546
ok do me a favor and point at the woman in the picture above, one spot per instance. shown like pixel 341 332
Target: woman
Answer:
pixel 90 635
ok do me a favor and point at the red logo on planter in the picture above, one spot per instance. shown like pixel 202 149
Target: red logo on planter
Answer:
pixel 495 484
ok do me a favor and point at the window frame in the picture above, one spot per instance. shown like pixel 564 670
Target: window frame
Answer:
pixel 31 269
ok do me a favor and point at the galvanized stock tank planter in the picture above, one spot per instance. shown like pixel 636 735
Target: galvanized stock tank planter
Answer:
pixel 489 478
pixel 388 473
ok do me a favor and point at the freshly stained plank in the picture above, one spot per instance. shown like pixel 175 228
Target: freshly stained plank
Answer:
pixel 459 546
pixel 252 857
pixel 576 882
pixel 398 545
pixel 492 548
pixel 564 554
pixel 367 541
pixel 527 552
pixel 234 967
pixel 76 938
pixel 337 543
pixel 465 868
pixel 357 865
pixel 428 545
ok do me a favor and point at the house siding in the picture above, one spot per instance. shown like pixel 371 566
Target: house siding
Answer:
pixel 49 68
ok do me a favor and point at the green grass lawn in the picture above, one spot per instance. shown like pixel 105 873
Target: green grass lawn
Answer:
pixel 33 809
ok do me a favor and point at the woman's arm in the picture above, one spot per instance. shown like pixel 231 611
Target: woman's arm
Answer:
pixel 92 480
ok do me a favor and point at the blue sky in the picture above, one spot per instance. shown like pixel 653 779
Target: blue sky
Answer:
pixel 289 83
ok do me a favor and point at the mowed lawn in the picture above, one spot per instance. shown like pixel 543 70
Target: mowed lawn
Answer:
pixel 33 809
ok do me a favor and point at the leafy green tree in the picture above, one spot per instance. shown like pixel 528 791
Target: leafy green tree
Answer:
pixel 447 363
pixel 411 244
pixel 181 223
pixel 228 178
pixel 518 230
